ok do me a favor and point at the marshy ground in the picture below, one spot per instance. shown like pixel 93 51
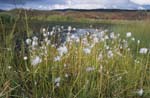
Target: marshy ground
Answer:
pixel 64 58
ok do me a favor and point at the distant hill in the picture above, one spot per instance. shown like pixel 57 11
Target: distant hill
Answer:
pixel 2 10
pixel 100 10
pixel 117 14
pixel 88 10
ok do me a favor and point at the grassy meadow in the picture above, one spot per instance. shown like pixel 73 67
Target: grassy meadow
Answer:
pixel 112 62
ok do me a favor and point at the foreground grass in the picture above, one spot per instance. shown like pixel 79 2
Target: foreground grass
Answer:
pixel 109 68
pixel 140 29
pixel 81 68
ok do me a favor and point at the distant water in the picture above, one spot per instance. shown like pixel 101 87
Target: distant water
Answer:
pixel 79 33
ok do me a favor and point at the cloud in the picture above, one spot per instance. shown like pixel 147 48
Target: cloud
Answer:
pixel 141 2
pixel 141 8
pixel 6 6
pixel 22 2
pixel 77 4
pixel 93 4
pixel 35 4
pixel 15 1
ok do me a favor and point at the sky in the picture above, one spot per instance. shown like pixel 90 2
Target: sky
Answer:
pixel 75 4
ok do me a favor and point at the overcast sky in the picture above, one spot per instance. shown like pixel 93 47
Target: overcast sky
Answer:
pixel 78 4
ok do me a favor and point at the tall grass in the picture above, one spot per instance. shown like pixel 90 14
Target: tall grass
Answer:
pixel 140 29
pixel 87 69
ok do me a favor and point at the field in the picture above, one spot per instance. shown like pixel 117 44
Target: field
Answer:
pixel 49 54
